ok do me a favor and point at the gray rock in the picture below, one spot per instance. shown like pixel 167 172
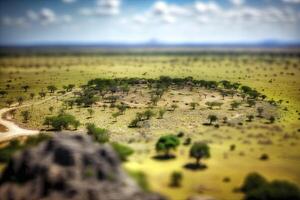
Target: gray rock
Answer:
pixel 69 166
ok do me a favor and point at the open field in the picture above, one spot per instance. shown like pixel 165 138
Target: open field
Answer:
pixel 273 74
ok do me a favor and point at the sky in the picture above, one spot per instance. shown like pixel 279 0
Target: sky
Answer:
pixel 29 22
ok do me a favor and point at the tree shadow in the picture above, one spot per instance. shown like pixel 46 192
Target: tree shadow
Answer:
pixel 194 166
pixel 164 157
pixel 206 124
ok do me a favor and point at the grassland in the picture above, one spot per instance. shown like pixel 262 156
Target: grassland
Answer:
pixel 276 75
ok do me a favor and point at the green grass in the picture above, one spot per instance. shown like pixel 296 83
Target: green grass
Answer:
pixel 276 75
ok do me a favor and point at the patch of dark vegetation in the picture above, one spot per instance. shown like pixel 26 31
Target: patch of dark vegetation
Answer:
pixel 15 145
pixel 256 187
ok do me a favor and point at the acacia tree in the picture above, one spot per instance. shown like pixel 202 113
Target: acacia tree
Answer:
pixel 3 93
pixel 260 110
pixel 235 104
pixel 193 105
pixel 198 151
pixel 51 88
pixel 31 95
pixel 250 118
pixel 42 94
pixel 212 118
pixel 26 115
pixel 20 100
pixel 91 112
pixel 9 102
pixel 25 87
pixel 161 113
pixel 167 143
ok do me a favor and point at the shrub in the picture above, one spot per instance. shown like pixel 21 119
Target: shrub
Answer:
pixel 99 134
pixel 252 182
pixel 122 150
pixel 257 188
pixel 61 121
pixel 176 178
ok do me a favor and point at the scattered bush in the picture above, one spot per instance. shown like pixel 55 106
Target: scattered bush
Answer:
pixel 122 150
pixel 99 134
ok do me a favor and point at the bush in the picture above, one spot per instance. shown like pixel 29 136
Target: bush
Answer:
pixel 176 178
pixel 62 121
pixel 123 151
pixel 253 181
pixel 99 134
pixel 276 190
pixel 140 178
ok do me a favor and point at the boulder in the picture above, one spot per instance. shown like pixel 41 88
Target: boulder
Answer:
pixel 69 166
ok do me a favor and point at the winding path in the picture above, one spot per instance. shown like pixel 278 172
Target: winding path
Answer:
pixel 14 130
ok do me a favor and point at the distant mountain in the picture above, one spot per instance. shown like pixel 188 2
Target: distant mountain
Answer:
pixel 154 43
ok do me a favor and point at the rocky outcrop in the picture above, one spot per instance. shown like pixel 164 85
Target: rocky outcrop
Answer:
pixel 69 166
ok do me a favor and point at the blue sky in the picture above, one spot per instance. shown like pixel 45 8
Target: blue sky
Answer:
pixel 135 21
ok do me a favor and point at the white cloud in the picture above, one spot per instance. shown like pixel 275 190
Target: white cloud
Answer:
pixel 162 8
pixel 86 11
pixel 32 15
pixel 68 1
pixel 237 2
pixel 103 7
pixel 169 19
pixel 207 7
pixel 66 18
pixel 18 21
pixel 291 1
pixel 47 16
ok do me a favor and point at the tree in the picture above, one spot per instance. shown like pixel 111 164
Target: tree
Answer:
pixel 91 112
pixel 20 100
pixel 62 121
pixel 125 88
pixel 212 118
pixel 51 88
pixel 198 151
pixel 154 99
pixel 176 178
pixel 51 108
pixel 25 87
pixel 122 150
pixel 31 95
pixel 193 105
pixel 251 102
pixel 99 134
pixel 3 93
pixel 26 115
pixel 235 104
pixel 122 108
pixel 161 113
pixel 174 106
pixel 167 143
pixel 272 119
pixel 148 114
pixel 260 110
pixel 250 118
pixel 42 94
pixel 69 87
pixel 9 102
